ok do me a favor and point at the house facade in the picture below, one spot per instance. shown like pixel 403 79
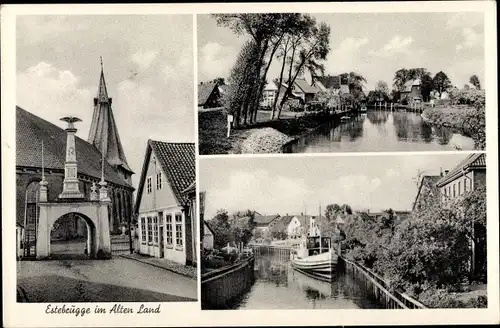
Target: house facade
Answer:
pixel 269 94
pixel 411 91
pixel 264 222
pixel 466 176
pixel 164 208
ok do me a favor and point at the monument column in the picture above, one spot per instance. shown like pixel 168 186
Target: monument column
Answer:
pixel 70 184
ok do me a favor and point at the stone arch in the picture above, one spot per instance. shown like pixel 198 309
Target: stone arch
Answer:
pixel 95 215
pixel 90 247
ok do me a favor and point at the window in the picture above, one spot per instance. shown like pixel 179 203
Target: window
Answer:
pixel 169 229
pixel 155 229
pixel 178 229
pixel 160 221
pixel 465 185
pixel 454 191
pixel 459 187
pixel 148 182
pixel 158 181
pixel 150 229
pixel 143 229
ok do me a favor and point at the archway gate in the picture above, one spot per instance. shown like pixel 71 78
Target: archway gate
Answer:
pixel 95 213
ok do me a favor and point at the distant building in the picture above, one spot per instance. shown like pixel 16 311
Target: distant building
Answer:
pixel 263 222
pixel 466 176
pixel 163 205
pixel 269 94
pixel 209 95
pixel 305 91
pixel 411 91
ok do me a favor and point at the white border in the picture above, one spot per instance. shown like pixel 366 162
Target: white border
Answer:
pixel 189 314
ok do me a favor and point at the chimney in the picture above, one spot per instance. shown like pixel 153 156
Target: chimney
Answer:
pixel 441 171
pixel 70 184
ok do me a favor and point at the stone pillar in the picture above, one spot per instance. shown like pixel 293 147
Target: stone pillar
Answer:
pixel 104 248
pixel 93 192
pixel 43 232
pixel 70 184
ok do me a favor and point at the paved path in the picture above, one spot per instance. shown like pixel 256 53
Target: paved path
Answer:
pixel 185 270
pixel 115 280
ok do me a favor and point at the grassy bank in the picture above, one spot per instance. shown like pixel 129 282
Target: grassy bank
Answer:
pixel 469 121
pixel 212 127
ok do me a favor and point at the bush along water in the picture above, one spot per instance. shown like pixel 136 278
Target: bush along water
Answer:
pixel 467 114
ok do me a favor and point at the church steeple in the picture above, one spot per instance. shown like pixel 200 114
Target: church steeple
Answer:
pixel 104 132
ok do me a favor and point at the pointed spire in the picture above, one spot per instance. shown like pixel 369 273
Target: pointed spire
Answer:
pixel 102 92
pixel 103 132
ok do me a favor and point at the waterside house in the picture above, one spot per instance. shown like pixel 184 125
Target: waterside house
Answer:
pixel 163 205
pixel 209 95
pixel 411 92
pixel 269 94
pixel 466 176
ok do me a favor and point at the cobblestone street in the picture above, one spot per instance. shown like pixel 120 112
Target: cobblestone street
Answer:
pixel 115 280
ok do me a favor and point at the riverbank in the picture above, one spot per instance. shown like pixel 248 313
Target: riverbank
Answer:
pixel 469 121
pixel 264 136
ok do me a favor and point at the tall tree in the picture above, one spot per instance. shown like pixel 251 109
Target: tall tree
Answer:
pixel 426 86
pixel 355 82
pixel 400 78
pixel 474 80
pixel 441 83
pixel 309 47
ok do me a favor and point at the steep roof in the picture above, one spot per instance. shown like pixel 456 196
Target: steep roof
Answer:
pixel 281 223
pixel 305 87
pixel 204 92
pixel 329 82
pixel 428 181
pixel 262 220
pixel 103 133
pixel 409 84
pixel 472 161
pixel 177 161
pixel 31 130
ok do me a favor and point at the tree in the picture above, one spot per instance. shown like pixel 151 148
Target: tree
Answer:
pixel 426 86
pixel 308 46
pixel 382 87
pixel 474 80
pixel 221 227
pixel 466 87
pixel 441 83
pixel 400 78
pixel 355 82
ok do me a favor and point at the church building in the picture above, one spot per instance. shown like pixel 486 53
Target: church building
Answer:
pixel 42 143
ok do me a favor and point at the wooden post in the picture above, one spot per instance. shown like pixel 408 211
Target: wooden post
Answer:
pixel 229 122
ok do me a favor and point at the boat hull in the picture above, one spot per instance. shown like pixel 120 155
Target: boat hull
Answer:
pixel 322 266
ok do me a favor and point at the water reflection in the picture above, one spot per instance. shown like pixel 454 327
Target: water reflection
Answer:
pixel 278 286
pixel 381 130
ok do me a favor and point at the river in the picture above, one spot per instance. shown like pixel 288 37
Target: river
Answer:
pixel 380 130
pixel 278 286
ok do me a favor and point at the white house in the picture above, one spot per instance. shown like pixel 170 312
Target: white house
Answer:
pixel 165 220
pixel 269 93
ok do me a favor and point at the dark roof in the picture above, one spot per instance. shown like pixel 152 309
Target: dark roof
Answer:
pixel 209 226
pixel 177 161
pixel 204 92
pixel 281 223
pixel 305 87
pixel 103 132
pixel 264 219
pixel 31 130
pixel 473 161
pixel 329 82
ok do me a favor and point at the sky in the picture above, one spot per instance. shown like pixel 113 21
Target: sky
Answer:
pixel 298 184
pixel 148 67
pixel 374 45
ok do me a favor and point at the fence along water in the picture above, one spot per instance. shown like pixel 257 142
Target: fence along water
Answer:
pixel 220 287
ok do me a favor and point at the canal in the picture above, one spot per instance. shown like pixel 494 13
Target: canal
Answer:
pixel 278 286
pixel 380 130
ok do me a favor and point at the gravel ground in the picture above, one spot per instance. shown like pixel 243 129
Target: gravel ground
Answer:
pixel 115 280
pixel 265 140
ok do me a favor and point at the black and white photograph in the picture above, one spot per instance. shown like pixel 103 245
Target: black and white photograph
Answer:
pixel 105 159
pixel 250 164
pixel 350 232
pixel 341 82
